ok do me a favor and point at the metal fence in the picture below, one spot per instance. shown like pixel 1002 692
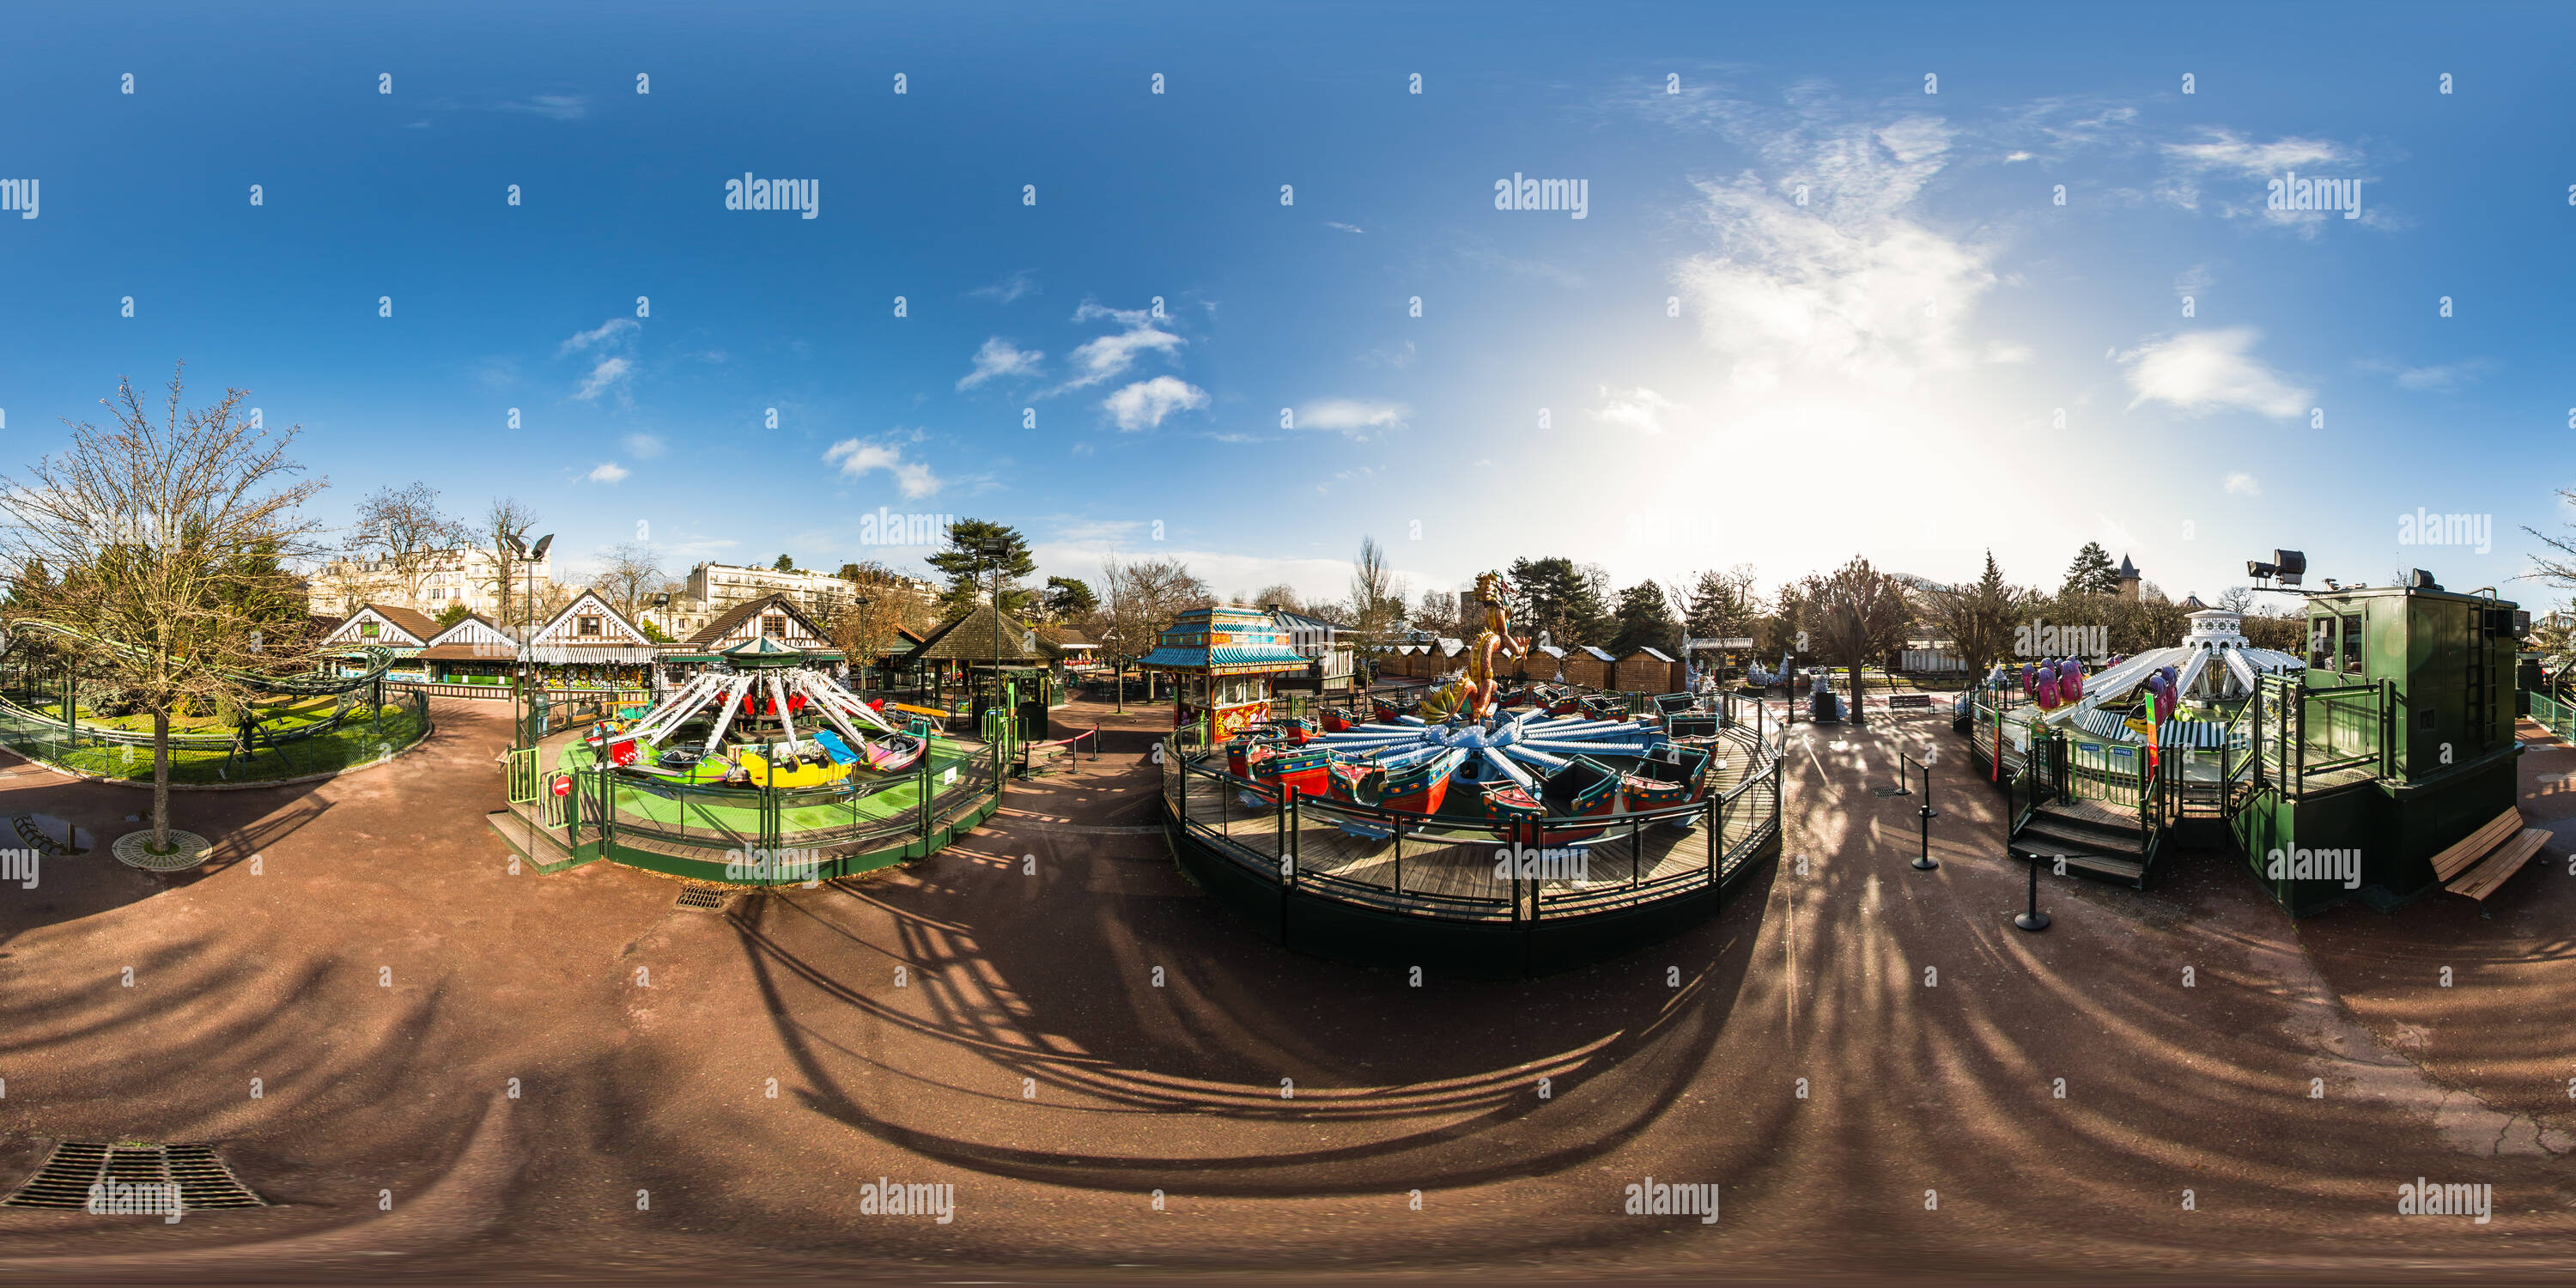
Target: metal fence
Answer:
pixel 361 734
pixel 2552 715
pixel 1455 870
pixel 716 824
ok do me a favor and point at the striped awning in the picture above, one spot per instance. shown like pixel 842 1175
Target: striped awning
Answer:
pixel 586 654
pixel 2172 735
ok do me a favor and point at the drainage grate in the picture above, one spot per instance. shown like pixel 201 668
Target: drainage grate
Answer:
pixel 702 900
pixel 63 1182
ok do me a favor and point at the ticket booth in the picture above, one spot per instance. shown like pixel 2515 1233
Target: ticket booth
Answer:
pixel 1223 661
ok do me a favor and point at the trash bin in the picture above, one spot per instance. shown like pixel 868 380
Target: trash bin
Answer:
pixel 1033 721
pixel 1824 706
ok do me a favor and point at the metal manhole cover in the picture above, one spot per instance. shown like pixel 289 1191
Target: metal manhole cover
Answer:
pixel 64 1182
pixel 700 899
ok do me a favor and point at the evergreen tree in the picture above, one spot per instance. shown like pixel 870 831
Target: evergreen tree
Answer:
pixel 2092 573
pixel 983 559
pixel 1645 621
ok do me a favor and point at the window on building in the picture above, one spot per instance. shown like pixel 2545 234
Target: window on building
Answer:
pixel 590 626
pixel 2321 643
pixel 774 624
pixel 369 630
pixel 2352 642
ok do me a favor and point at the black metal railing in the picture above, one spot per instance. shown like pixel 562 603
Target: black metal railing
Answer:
pixel 1448 868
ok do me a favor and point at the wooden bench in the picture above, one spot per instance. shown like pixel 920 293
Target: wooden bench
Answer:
pixel 2481 862
pixel 1895 700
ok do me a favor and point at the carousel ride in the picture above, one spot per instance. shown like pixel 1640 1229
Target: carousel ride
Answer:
pixel 738 726
pixel 1472 755
pixel 2215 667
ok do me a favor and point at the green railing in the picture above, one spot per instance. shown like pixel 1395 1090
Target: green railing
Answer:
pixel 696 829
pixel 2551 714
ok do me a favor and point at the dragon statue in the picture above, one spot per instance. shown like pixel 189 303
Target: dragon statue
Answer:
pixel 1471 695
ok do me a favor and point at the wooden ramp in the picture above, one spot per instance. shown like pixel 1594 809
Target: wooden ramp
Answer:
pixel 2485 859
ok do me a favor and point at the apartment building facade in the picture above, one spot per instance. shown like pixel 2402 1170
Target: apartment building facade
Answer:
pixel 467 575
pixel 714 589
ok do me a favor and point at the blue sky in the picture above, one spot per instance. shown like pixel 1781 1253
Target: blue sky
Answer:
pixel 1726 375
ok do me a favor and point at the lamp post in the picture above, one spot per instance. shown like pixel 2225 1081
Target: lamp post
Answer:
pixel 865 650
pixel 527 636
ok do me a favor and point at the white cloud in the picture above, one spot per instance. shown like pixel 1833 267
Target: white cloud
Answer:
pixel 554 107
pixel 608 472
pixel 2227 150
pixel 1011 287
pixel 1998 351
pixel 1143 405
pixel 1639 409
pixel 2206 371
pixel 601 377
pixel 1110 356
pixel 2444 378
pixel 857 459
pixel 2247 167
pixel 644 446
pixel 1847 289
pixel 612 329
pixel 1348 228
pixel 1352 416
pixel 1000 358
pixel 1095 311
pixel 2243 484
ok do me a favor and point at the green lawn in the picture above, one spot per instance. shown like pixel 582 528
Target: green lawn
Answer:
pixel 355 743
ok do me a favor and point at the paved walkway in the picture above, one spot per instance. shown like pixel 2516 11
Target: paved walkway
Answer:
pixel 1050 1018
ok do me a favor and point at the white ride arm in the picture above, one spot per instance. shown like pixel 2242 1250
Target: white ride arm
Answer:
pixel 676 709
pixel 820 695
pixel 1528 784
pixel 837 699
pixel 733 694
pixel 786 720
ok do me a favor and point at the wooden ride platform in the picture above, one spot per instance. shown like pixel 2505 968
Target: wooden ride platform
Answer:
pixel 1459 861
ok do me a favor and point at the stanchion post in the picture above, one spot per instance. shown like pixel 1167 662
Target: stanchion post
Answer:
pixel 2032 918
pixel 1923 860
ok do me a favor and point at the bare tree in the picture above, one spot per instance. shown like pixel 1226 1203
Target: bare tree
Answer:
pixel 629 577
pixel 1144 597
pixel 505 527
pixel 865 633
pixel 1282 594
pixel 404 536
pixel 1854 614
pixel 169 533
pixel 1377 603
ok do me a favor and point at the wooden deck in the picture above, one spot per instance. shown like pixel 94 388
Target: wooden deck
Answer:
pixel 1460 863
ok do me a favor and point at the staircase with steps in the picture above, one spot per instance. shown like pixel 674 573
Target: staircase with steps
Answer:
pixel 2094 838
